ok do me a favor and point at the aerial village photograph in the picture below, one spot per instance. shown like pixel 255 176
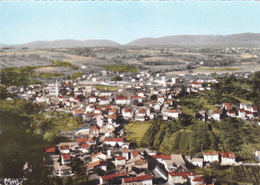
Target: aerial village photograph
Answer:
pixel 129 92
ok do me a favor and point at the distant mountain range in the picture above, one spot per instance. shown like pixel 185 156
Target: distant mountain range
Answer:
pixel 243 38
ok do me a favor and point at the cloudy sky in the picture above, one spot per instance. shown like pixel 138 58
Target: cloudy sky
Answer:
pixel 123 21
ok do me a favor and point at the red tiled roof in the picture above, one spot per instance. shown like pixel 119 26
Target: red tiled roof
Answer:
pixel 135 153
pixel 121 98
pixel 232 112
pixel 160 97
pixel 85 145
pixel 173 111
pixel 81 140
pixel 98 108
pixel 68 101
pixel 116 139
pixel 255 108
pixel 198 179
pixel 66 156
pixel 107 107
pixel 78 111
pixel 64 147
pixel 103 98
pixel 228 106
pixel 96 163
pixel 127 110
pixel 140 162
pixel 231 155
pixel 92 106
pixel 183 174
pixel 139 178
pixel 167 157
pixel 169 101
pixel 92 97
pixel 197 83
pixel 49 149
pixel 125 150
pixel 242 110
pixel 224 154
pixel 136 97
pixel 61 96
pixel 113 110
pixel 120 158
pixel 216 112
pixel 111 176
pixel 91 140
pixel 76 98
pixel 142 111
pixel 95 127
pixel 112 116
pixel 210 153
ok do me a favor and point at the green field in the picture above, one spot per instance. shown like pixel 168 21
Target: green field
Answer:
pixel 135 131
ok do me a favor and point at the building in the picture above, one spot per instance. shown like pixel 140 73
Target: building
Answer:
pixel 140 180
pixel 210 156
pixel 228 158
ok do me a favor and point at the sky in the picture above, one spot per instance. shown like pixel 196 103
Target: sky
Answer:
pixel 123 21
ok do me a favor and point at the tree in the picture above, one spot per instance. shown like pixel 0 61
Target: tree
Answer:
pixel 116 78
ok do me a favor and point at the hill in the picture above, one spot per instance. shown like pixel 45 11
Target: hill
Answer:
pixel 244 38
pixel 68 43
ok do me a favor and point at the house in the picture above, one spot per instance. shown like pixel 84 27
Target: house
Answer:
pixel 242 113
pixel 78 113
pixel 84 147
pixel 197 181
pixel 231 113
pixel 112 111
pixel 139 180
pixel 65 159
pixel 99 156
pixel 112 118
pixel 112 178
pixel 141 163
pixel 228 106
pixel 210 156
pixel 178 177
pixel 64 149
pixel 113 141
pixel 120 161
pixel 90 108
pixel 97 111
pixel 122 100
pixel 141 113
pixel 69 103
pixel 98 163
pixel 173 113
pixel 228 158
pixel 254 109
pixel 95 130
pixel 141 94
pixel 250 115
pixel 197 162
pixel 138 98
pixel 160 98
pixel 196 85
pixel 92 99
pixel 125 153
pixel 49 150
pixel 103 101
pixel 82 140
pixel 216 115
pixel 61 98
pixel 126 113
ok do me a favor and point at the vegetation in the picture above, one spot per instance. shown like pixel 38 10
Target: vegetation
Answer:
pixel 116 78
pixel 76 75
pixel 231 174
pixel 136 130
pixel 186 136
pixel 121 68
pixel 25 133
pixel 48 75
pixel 62 63
pixel 99 87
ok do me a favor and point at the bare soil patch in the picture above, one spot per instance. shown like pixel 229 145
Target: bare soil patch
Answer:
pixel 24 53
pixel 51 69
pixel 76 58
pixel 168 59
